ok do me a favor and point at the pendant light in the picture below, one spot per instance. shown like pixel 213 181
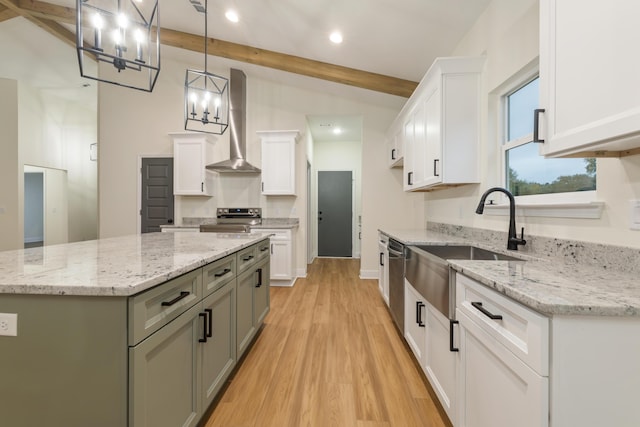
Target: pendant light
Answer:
pixel 206 95
pixel 124 34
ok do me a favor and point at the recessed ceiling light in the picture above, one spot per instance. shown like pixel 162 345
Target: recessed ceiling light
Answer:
pixel 232 16
pixel 336 37
pixel 337 131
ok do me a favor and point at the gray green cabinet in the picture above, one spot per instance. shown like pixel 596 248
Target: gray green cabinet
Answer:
pixel 154 359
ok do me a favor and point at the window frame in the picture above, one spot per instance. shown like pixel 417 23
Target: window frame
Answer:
pixel 576 204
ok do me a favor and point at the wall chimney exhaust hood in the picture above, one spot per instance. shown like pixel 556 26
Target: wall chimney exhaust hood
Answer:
pixel 237 125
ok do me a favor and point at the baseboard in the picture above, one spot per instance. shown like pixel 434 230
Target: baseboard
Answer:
pixel 369 274
pixel 302 273
pixel 33 239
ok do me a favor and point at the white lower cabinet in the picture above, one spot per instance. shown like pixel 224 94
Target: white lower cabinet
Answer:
pixel 415 330
pixel 282 268
pixel 496 388
pixel 440 362
pixel 383 269
pixel 503 364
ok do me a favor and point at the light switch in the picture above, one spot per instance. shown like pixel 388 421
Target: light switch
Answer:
pixel 634 214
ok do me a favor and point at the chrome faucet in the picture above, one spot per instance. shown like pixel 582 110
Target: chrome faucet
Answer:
pixel 513 241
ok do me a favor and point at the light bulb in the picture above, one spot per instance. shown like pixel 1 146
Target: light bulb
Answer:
pixel 232 16
pixel 117 37
pixel 217 102
pixel 193 97
pixel 97 21
pixel 123 21
pixel 139 35
pixel 336 37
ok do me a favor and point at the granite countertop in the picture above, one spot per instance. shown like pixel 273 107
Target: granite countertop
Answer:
pixel 548 286
pixel 277 223
pixel 119 266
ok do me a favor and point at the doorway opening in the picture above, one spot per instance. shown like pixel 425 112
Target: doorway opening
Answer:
pixel 33 209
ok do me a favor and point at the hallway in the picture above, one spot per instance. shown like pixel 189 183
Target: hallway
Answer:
pixel 328 355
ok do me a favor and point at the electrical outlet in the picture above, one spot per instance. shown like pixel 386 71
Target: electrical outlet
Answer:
pixel 9 324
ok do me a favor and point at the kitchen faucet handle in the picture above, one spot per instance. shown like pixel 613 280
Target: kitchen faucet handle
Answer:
pixel 523 242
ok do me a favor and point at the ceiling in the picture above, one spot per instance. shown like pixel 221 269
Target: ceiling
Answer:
pixel 395 38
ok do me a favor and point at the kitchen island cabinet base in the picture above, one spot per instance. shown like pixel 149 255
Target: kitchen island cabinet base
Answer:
pixel 70 352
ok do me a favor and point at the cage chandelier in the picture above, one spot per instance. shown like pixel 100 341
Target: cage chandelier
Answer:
pixel 206 95
pixel 124 34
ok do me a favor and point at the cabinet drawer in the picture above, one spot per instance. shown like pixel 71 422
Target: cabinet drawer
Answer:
pixel 246 258
pixel 262 250
pixel 219 272
pixel 523 331
pixel 154 308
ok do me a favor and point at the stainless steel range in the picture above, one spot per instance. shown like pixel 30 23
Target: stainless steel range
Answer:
pixel 234 220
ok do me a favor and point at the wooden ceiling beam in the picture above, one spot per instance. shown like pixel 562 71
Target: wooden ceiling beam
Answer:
pixel 50 26
pixel 41 12
pixel 6 13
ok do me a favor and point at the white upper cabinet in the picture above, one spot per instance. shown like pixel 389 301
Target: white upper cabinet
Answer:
pixel 440 126
pixel 190 176
pixel 395 153
pixel 589 78
pixel 279 162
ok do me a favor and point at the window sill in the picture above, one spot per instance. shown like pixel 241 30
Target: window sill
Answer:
pixel 584 210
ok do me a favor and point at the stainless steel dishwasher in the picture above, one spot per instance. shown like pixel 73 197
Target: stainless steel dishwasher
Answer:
pixel 396 282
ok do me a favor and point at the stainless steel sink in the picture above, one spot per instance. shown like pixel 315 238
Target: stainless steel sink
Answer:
pixel 466 252
pixel 427 270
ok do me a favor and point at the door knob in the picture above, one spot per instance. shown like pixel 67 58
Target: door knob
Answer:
pixel 170 221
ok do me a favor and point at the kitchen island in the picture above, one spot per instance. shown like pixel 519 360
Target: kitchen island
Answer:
pixel 130 331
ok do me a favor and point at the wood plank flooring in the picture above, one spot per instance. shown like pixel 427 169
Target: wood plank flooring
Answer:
pixel 328 355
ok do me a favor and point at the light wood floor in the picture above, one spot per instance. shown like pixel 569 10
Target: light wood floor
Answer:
pixel 328 355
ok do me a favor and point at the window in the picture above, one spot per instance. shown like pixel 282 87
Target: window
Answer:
pixel 526 172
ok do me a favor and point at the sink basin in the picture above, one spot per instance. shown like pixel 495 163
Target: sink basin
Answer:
pixel 466 252
pixel 427 270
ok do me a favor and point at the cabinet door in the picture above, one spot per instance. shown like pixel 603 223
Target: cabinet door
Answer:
pixel 440 362
pixel 433 138
pixel 589 102
pixel 190 176
pixel 219 351
pixel 278 165
pixel 244 310
pixel 407 137
pixel 415 322
pixel 163 375
pixel 281 260
pixel 419 151
pixel 495 388
pixel 261 301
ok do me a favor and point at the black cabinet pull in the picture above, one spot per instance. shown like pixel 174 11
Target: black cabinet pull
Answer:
pixel 435 167
pixel 410 178
pixel 536 123
pixel 478 306
pixel 202 187
pixel 451 347
pixel 182 295
pixel 264 248
pixel 382 259
pixel 263 186
pixel 204 327
pixel 248 258
pixel 272 249
pixel 225 271
pixel 393 154
pixel 419 306
pixel 259 271
pixel 209 311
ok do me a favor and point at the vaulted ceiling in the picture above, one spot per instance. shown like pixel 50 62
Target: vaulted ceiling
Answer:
pixel 388 44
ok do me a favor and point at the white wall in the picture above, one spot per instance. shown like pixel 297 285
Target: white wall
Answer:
pixel 507 33
pixel 10 174
pixel 134 123
pixel 336 156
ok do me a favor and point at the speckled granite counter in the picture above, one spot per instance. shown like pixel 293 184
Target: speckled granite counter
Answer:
pixel 551 286
pixel 277 223
pixel 119 266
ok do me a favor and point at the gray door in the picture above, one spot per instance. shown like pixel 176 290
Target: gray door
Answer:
pixel 157 193
pixel 334 213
